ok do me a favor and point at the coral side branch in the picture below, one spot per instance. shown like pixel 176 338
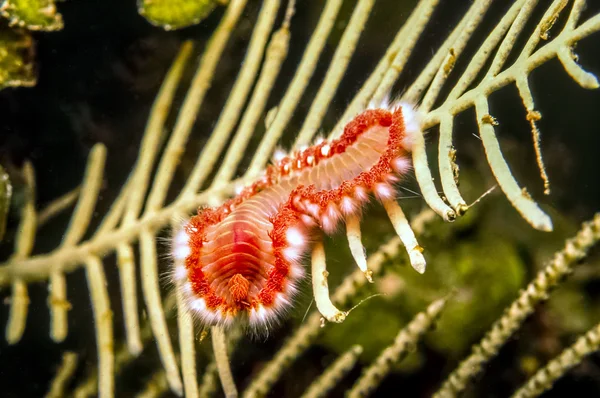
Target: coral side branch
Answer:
pixel 242 260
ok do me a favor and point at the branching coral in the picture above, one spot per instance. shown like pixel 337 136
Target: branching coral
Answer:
pixel 537 291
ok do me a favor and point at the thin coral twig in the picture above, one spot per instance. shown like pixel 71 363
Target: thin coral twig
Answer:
pixel 537 291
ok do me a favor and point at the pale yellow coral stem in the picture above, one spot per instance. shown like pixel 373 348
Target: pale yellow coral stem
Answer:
pixel 448 167
pixel 236 100
pixel 322 386
pixel 406 234
pixel 321 288
pixel 537 291
pixel 335 72
pixel 80 220
pixel 189 110
pixel 356 247
pixel 391 64
pixel 19 302
pixel 103 319
pixel 156 316
pixel 127 280
pixel 296 88
pixel 187 342
pixel 519 198
pixel 219 341
pixel 405 340
pixel 277 51
pixel 63 375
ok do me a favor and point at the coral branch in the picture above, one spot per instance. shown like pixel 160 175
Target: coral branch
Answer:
pixel 151 293
pixel 276 53
pixel 404 342
pixel 187 347
pixel 555 369
pixel 537 291
pixel 320 287
pixel 519 197
pixel 104 326
pixel 392 62
pixel 219 342
pixel 63 375
pixel 356 248
pixel 19 302
pixel 296 88
pixel 333 374
pixel 237 98
pixel 425 180
pixel 127 279
pixel 406 234
pixel 335 72
pixel 187 115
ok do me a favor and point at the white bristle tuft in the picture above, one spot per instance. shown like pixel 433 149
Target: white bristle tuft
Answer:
pixel 258 316
pixel 307 220
pixel 383 191
pixel 291 254
pixel 328 224
pixel 313 209
pixel 413 119
pixel 279 155
pixel 401 165
pixel 281 302
pixel 239 188
pixel 198 305
pixel 186 288
pixel 360 193
pixel 296 272
pixel 180 273
pixel 391 178
pixel 347 205
pixel 181 238
pixel 181 252
pixel 333 212
pixel 295 237
pixel 384 103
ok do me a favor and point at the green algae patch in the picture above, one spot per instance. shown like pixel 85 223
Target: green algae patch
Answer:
pixel 32 14
pixel 16 58
pixel 486 275
pixel 176 14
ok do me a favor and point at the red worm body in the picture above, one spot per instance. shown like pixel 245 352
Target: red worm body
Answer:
pixel 241 261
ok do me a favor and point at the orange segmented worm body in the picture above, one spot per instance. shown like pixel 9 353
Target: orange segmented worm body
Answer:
pixel 242 260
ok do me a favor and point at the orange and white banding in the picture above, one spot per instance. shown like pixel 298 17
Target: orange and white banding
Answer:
pixel 242 260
